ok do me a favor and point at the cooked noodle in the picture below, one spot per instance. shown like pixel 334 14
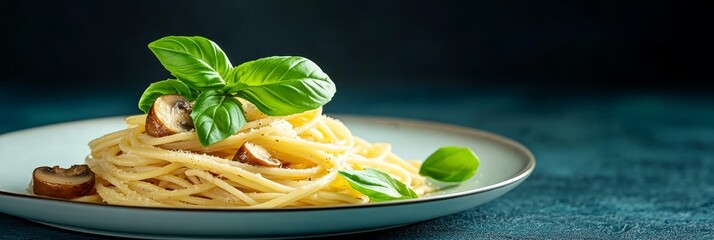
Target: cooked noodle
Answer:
pixel 133 168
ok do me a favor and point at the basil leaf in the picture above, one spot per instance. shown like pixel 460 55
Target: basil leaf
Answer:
pixel 197 61
pixel 377 185
pixel 280 86
pixel 216 117
pixel 450 164
pixel 158 89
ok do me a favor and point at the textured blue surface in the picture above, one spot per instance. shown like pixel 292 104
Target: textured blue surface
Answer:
pixel 609 165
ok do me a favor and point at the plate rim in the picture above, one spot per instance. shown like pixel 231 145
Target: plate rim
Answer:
pixel 520 176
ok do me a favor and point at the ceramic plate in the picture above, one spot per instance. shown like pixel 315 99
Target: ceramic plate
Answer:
pixel 504 164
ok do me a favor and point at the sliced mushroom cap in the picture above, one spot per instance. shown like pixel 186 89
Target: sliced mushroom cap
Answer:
pixel 256 155
pixel 58 182
pixel 170 114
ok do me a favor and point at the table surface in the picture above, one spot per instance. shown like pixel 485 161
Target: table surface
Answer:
pixel 609 165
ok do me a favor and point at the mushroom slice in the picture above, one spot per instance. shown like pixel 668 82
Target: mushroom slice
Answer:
pixel 58 182
pixel 252 153
pixel 168 115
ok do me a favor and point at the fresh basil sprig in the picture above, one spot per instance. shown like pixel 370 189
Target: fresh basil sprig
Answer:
pixel 450 164
pixel 377 185
pixel 447 164
pixel 277 86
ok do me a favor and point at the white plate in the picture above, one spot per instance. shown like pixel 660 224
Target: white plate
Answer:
pixel 504 164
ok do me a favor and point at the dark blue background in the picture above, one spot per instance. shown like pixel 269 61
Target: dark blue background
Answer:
pixel 615 98
pixel 67 53
pixel 82 45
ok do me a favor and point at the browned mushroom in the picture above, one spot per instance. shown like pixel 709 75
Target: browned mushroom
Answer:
pixel 168 115
pixel 58 182
pixel 255 154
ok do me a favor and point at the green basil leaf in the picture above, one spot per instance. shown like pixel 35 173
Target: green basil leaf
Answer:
pixel 450 164
pixel 166 87
pixel 377 185
pixel 197 61
pixel 216 116
pixel 280 86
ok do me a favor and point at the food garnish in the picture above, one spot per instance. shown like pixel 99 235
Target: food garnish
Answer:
pixel 447 164
pixel 277 86
pixel 450 164
pixel 377 185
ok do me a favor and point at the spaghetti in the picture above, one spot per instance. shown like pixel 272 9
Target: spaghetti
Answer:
pixel 133 168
